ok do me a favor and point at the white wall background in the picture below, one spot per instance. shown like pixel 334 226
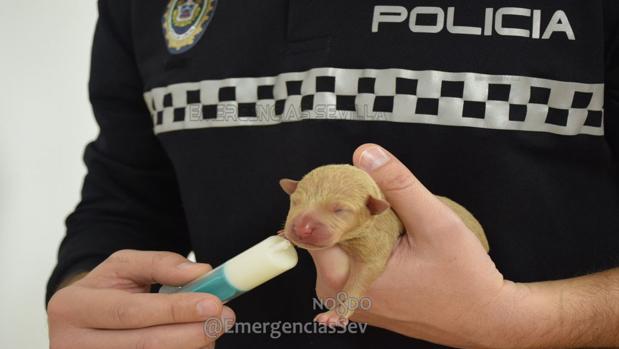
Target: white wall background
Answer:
pixel 45 122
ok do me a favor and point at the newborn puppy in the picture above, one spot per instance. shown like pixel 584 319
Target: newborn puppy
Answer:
pixel 342 205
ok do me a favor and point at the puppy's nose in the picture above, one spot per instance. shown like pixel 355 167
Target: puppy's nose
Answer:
pixel 304 230
pixel 304 226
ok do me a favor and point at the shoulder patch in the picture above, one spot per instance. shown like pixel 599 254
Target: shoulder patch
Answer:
pixel 184 23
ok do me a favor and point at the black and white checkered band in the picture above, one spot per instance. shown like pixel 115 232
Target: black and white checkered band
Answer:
pixel 428 97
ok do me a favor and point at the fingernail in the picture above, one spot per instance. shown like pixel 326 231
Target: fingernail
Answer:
pixel 372 158
pixel 207 308
pixel 186 265
pixel 228 318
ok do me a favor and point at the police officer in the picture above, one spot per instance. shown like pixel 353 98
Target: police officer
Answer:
pixel 507 107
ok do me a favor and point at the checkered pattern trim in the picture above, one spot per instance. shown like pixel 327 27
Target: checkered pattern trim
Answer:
pixel 428 97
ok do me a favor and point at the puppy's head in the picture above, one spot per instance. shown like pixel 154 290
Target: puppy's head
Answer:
pixel 329 204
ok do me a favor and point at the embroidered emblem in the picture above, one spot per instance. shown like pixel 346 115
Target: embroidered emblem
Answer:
pixel 185 21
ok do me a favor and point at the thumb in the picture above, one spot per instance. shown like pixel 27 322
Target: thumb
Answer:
pixel 421 212
pixel 148 267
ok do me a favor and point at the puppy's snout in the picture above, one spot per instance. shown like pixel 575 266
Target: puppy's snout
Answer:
pixel 304 226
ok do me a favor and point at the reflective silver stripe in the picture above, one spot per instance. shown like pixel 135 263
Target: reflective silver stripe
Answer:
pixel 503 102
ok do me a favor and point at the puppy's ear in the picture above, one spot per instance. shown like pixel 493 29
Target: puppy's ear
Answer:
pixel 376 206
pixel 288 185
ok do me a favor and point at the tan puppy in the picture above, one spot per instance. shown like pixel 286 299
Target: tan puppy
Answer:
pixel 341 204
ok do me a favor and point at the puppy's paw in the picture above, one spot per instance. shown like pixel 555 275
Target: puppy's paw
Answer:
pixel 331 318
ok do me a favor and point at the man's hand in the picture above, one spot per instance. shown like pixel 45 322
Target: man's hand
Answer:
pixel 440 285
pixel 110 306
